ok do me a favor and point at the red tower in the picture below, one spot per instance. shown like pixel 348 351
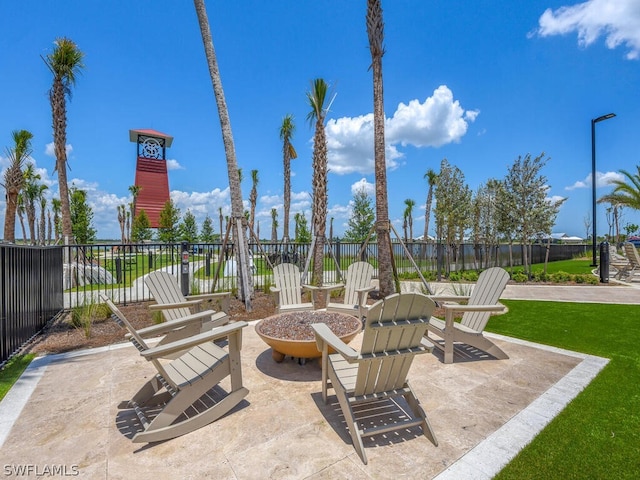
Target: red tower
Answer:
pixel 151 172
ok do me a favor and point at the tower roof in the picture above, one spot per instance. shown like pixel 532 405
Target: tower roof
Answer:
pixel 147 132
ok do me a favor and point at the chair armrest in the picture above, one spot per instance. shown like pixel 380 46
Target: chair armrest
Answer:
pixel 162 351
pixel 325 335
pixel 223 297
pixel 171 306
pixel 165 327
pixel 327 288
pixel 449 298
pixel 450 309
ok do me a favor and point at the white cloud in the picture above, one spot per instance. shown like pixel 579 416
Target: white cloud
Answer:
pixel 50 149
pixel 370 188
pixel 616 20
pixel 437 121
pixel 602 180
pixel 174 165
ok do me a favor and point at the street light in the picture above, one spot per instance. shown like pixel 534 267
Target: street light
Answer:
pixel 594 263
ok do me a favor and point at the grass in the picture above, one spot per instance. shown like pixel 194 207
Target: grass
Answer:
pixel 575 266
pixel 598 434
pixel 12 371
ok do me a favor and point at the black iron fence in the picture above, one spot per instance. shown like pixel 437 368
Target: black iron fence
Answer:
pixel 119 270
pixel 30 291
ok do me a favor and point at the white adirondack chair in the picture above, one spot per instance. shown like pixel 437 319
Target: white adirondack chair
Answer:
pixel 288 289
pixel 366 380
pixel 476 312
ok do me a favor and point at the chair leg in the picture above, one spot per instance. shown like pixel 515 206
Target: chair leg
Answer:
pixel 419 412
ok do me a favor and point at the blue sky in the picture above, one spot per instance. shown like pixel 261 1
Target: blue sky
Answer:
pixel 479 83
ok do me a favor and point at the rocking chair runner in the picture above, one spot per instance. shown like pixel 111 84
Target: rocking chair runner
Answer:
pixel 186 388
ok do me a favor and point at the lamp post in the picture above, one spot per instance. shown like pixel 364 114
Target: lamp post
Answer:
pixel 594 262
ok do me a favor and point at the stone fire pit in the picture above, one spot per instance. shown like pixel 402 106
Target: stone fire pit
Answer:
pixel 291 333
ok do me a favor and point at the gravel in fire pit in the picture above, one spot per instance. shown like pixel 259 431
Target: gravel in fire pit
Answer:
pixel 296 325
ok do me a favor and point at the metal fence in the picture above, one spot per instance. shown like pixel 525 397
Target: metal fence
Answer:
pixel 119 270
pixel 30 291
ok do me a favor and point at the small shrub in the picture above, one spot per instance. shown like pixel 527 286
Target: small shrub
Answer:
pixel 560 277
pixel 470 275
pixel 158 317
pixel 455 276
pixel 83 316
pixel 519 277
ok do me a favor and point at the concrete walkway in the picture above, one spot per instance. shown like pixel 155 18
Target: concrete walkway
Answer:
pixel 62 414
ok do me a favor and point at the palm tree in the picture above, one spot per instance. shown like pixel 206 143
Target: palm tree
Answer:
pixel 30 194
pixel 274 225
pixel 14 179
pixel 57 228
pixel 253 198
pixel 20 210
pixel 246 282
pixel 65 62
pixel 43 215
pixel 432 179
pixel 375 32
pixel 316 98
pixel 409 204
pixel 288 153
pixel 121 219
pixel 625 193
pixel 134 190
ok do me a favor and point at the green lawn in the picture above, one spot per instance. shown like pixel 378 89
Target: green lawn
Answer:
pixel 574 266
pixel 598 434
pixel 12 371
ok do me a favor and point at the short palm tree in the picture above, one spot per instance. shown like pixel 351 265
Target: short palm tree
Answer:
pixel 14 179
pixel 31 194
pixel 625 193
pixel 65 63
pixel 288 153
pixel 253 198
pixel 432 179
pixel 316 97
pixel 409 204
pixel 42 231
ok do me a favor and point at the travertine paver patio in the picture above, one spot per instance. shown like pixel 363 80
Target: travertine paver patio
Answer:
pixel 482 410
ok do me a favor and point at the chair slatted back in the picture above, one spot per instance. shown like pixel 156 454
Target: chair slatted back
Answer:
pixel 358 276
pixel 286 276
pixel 487 291
pixel 136 339
pixel 392 337
pixel 165 289
pixel 632 254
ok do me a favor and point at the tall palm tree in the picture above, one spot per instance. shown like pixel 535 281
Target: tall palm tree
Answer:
pixel 14 179
pixel 253 198
pixel 65 62
pixel 288 153
pixel 409 204
pixel 316 97
pixel 245 280
pixel 626 192
pixel 432 179
pixel 375 32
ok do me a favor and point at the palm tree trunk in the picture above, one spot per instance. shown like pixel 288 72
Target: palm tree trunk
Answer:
pixel 375 30
pixel 58 106
pixel 10 216
pixel 245 283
